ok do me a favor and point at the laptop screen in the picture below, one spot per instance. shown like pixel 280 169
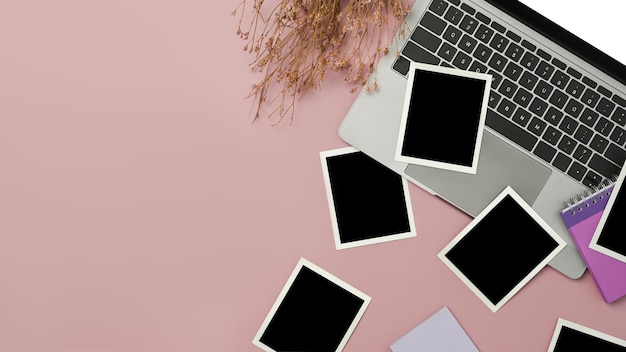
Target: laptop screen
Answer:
pixel 598 22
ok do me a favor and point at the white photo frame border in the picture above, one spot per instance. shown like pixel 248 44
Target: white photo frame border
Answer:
pixel 324 155
pixel 302 262
pixel 405 111
pixel 508 191
pixel 593 244
pixel 561 322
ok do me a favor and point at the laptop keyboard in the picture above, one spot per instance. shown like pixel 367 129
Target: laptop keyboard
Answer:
pixel 554 111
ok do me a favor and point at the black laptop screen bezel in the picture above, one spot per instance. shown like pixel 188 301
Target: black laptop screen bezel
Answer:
pixel 563 37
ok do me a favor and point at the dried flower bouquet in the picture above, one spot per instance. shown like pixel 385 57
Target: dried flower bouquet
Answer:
pixel 295 42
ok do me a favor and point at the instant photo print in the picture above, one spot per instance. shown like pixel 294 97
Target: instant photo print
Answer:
pixel 315 311
pixel 502 249
pixel 368 202
pixel 569 336
pixel 443 118
pixel 610 235
pixel 441 332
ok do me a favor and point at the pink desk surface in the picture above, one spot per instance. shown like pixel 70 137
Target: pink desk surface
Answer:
pixel 141 211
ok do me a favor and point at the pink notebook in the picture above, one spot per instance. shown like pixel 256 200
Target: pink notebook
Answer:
pixel 581 217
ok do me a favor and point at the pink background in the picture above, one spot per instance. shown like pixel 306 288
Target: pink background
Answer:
pixel 140 210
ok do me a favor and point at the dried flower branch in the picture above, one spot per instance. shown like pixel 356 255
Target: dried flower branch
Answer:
pixel 298 40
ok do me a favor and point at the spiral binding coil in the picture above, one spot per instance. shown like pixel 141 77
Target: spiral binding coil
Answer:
pixel 589 196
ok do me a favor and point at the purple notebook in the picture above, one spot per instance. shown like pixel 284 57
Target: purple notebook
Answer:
pixel 581 218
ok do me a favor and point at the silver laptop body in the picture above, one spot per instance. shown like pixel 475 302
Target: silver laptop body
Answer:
pixel 372 124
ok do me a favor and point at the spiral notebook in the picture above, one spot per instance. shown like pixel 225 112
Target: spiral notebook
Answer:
pixel 581 216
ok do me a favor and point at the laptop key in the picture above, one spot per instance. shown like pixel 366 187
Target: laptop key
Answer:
pixel 575 89
pixel 483 18
pixel 562 162
pixel 483 53
pixel 521 117
pixel 467 44
pixel 498 62
pixel 498 27
pixel 568 125
pixel 447 51
pixel 513 71
pixel 577 171
pixel 604 91
pixel 558 98
pixel 438 7
pixel 588 81
pixel 619 116
pixel 528 45
pixel 552 135
pixel 426 39
pixel 513 36
pixel 592 179
pixel 528 80
pixel 478 67
pixel 537 126
pixel 605 107
pixel 506 107
pixel 543 89
pixel 529 61
pixel 544 70
pixel 598 143
pixel 453 15
pixel 582 154
pixel 510 130
pixel 589 117
pixel 590 98
pixel 523 97
pixel 538 106
pixel 494 99
pixel 402 65
pixel 618 136
pixel 495 79
pixel 484 33
pixel 619 100
pixel 433 23
pixel 603 166
pixel 419 54
pixel 452 34
pixel 567 145
pixel 514 51
pixel 544 55
pixel 574 73
pixel 604 126
pixel 468 8
pixel 462 60
pixel 544 151
pixel 615 154
pixel 573 107
pixel 499 42
pixel 583 134
pixel 553 116
pixel 560 79
pixel 507 88
pixel 469 24
pixel 558 63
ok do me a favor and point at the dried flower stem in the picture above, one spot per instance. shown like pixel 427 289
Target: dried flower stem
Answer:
pixel 299 40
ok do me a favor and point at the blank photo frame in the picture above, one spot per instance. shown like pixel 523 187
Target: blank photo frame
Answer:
pixel 570 336
pixel 502 249
pixel 443 117
pixel 315 311
pixel 441 332
pixel 610 235
pixel 368 202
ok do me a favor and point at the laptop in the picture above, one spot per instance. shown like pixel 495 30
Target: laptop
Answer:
pixel 557 106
